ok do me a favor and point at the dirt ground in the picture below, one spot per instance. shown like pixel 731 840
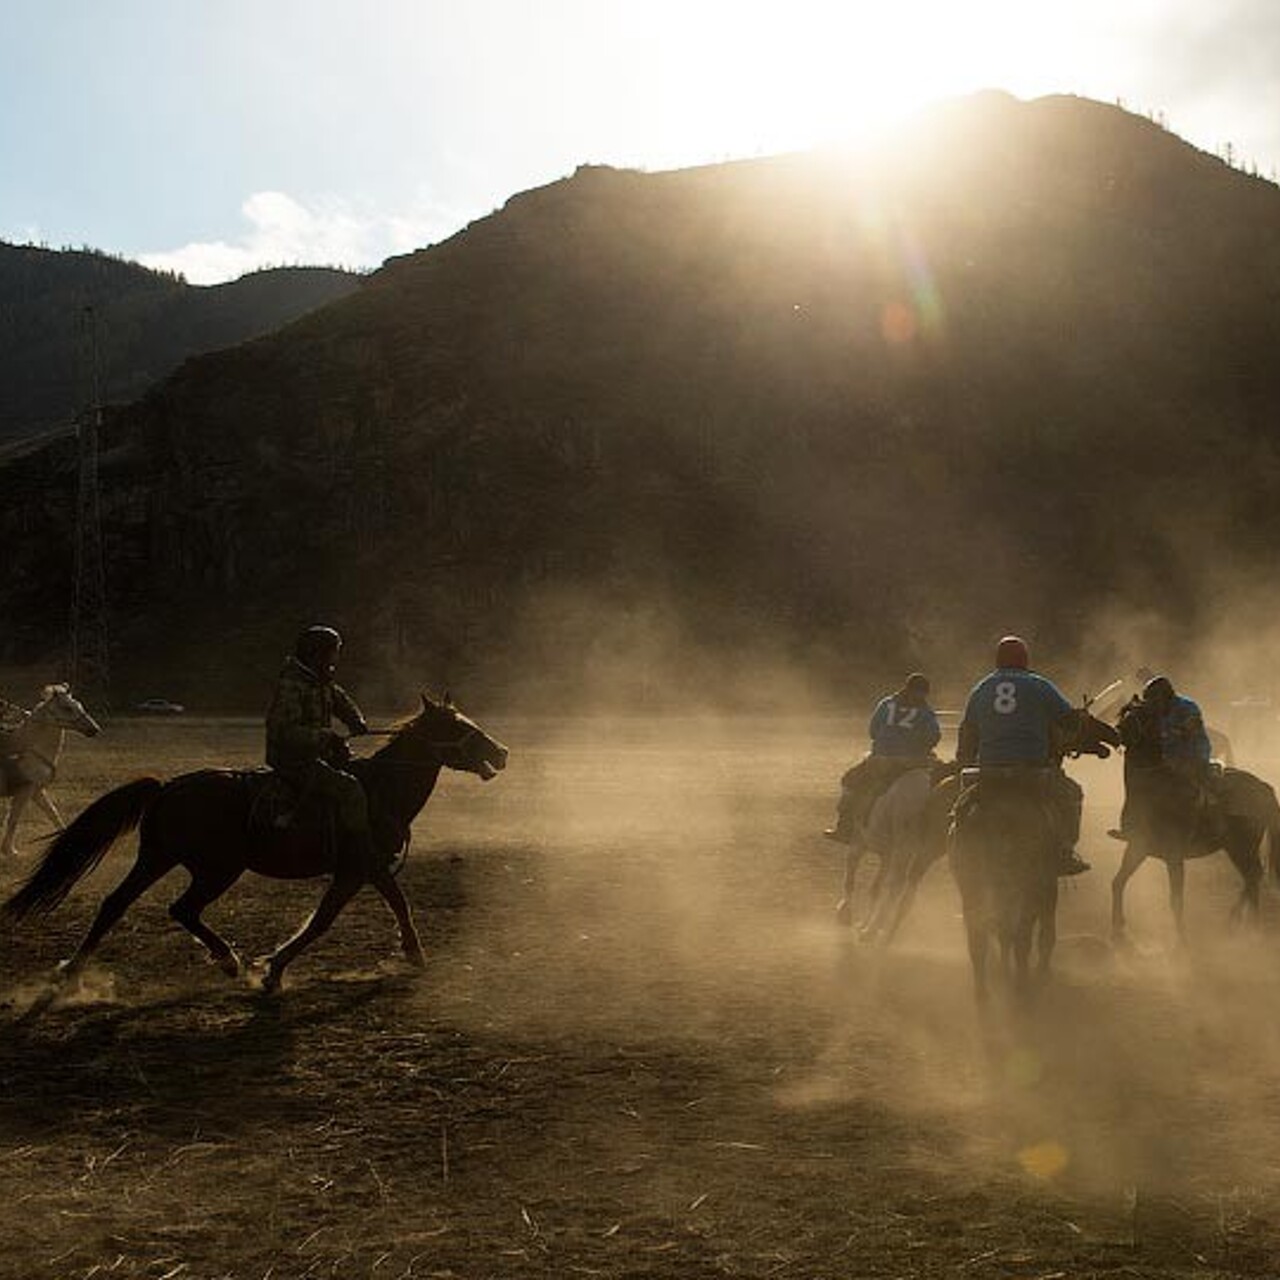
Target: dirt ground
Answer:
pixel 642 1047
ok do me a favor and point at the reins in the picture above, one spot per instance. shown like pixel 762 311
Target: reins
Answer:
pixel 439 748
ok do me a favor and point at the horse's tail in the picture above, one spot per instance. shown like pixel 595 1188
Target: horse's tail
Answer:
pixel 75 852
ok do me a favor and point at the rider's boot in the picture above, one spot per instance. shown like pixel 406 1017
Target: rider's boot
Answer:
pixel 1070 863
pixel 843 831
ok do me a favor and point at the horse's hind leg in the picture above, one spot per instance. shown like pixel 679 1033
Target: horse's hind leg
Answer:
pixel 1246 859
pixel 142 875
pixel 45 802
pixel 410 944
pixel 205 887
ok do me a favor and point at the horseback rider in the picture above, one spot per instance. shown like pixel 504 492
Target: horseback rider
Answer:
pixel 1175 727
pixel 903 731
pixel 1012 722
pixel 302 746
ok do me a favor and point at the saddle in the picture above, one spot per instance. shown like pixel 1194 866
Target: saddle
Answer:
pixel 278 804
pixel 998 782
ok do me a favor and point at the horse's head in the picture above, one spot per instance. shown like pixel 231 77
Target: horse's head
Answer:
pixel 1085 735
pixel 456 739
pixel 60 708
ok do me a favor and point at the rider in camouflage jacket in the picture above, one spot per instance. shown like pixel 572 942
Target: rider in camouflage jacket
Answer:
pixel 302 745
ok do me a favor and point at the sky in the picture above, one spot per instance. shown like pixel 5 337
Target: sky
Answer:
pixel 214 137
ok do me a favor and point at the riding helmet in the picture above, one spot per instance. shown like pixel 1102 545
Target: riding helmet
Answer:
pixel 316 641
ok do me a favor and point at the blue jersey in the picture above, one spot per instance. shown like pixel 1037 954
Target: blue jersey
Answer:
pixel 1011 714
pixel 903 729
pixel 1182 732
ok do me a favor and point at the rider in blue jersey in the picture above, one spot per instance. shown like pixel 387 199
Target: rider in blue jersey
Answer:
pixel 1185 754
pixel 1011 721
pixel 1184 741
pixel 903 731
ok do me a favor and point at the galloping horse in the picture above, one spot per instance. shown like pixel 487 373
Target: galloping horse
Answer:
pixel 907 826
pixel 29 754
pixel 1005 863
pixel 205 822
pixel 1166 824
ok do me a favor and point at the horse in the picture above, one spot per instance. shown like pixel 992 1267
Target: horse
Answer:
pixel 1005 861
pixel 1168 823
pixel 905 823
pixel 210 822
pixel 29 754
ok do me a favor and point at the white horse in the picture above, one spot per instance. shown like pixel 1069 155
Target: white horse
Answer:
pixel 906 829
pixel 29 756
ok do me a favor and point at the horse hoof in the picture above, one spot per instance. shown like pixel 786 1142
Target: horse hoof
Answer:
pixel 66 971
pixel 844 915
pixel 269 983
pixel 230 964
pixel 416 959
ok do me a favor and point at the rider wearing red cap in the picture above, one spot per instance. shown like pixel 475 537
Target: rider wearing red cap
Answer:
pixel 1011 722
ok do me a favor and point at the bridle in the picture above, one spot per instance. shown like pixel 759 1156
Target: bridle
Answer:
pixel 441 748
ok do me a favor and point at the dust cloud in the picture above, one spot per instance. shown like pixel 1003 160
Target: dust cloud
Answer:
pixel 665 884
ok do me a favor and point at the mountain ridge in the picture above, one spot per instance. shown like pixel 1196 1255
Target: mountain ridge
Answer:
pixel 830 412
pixel 56 305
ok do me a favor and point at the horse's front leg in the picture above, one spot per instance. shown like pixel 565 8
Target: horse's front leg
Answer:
pixel 978 937
pixel 50 810
pixel 17 803
pixel 1177 887
pixel 1020 948
pixel 342 888
pixel 879 888
pixel 1134 857
pixel 1048 935
pixel 410 944
pixel 844 908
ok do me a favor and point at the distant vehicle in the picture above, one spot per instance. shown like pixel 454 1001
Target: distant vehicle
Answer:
pixel 159 707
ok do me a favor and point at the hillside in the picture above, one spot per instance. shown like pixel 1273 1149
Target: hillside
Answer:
pixel 146 323
pixel 643 434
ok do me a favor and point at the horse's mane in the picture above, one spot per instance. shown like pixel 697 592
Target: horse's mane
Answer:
pixel 398 729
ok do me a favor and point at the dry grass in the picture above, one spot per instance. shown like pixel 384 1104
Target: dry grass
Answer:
pixel 640 1048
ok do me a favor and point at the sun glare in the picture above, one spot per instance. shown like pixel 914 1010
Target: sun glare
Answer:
pixel 747 79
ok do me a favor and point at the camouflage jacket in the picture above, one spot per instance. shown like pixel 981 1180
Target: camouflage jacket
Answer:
pixel 301 714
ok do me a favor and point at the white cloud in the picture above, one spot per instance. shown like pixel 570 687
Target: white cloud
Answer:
pixel 283 231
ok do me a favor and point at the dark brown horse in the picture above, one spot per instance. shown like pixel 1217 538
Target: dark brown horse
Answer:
pixel 205 822
pixel 1006 865
pixel 1168 822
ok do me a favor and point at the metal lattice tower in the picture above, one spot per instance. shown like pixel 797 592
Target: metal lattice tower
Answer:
pixel 88 665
